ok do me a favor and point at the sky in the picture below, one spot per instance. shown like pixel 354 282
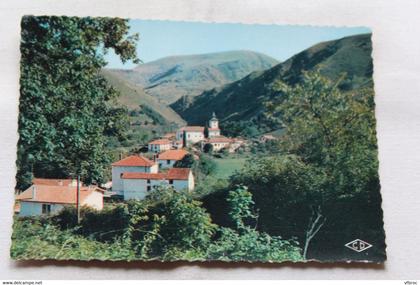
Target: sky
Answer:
pixel 166 38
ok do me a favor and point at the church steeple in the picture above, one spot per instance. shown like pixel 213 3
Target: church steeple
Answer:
pixel 214 122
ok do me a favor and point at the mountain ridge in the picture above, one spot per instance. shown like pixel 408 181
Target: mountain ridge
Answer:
pixel 172 77
pixel 244 99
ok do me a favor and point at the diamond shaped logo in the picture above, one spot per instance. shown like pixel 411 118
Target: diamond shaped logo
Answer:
pixel 358 245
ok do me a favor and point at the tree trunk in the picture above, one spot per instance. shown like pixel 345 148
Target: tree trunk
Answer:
pixel 316 221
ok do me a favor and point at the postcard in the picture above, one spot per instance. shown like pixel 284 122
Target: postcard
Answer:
pixel 163 140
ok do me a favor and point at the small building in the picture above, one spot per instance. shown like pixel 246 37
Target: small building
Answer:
pixel 168 158
pixel 41 199
pixel 213 129
pixel 218 142
pixel 133 163
pixel 159 145
pixel 190 135
pixel 138 185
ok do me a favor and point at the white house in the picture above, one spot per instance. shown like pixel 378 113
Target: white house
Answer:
pixel 138 185
pixel 159 145
pixel 190 134
pixel 50 199
pixel 168 158
pixel 133 163
pixel 213 129
pixel 218 142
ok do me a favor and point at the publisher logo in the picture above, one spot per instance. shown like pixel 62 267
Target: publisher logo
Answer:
pixel 358 245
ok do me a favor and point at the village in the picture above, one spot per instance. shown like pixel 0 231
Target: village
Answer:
pixel 135 175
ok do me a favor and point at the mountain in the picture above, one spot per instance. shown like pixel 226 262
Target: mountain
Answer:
pixel 244 99
pixel 170 78
pixel 132 96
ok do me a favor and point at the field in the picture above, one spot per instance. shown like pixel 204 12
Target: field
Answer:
pixel 227 166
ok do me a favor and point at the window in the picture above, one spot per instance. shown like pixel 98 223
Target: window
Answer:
pixel 171 181
pixel 168 162
pixel 148 181
pixel 149 188
pixel 46 209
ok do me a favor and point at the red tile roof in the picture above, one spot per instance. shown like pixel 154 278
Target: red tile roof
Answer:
pixel 53 182
pixel 192 129
pixel 134 160
pixel 172 174
pixel 174 154
pixel 178 173
pixel 219 139
pixel 160 141
pixel 142 175
pixel 56 194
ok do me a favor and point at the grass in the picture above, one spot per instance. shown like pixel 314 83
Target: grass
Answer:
pixel 227 166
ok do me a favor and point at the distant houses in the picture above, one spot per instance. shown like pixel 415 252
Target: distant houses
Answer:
pixel 49 196
pixel 133 177
pixel 159 145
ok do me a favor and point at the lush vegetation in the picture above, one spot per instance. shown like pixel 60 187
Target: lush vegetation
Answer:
pixel 301 197
pixel 290 204
pixel 166 226
pixel 67 109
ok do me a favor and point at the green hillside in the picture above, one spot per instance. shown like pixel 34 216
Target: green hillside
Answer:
pixel 170 78
pixel 243 100
pixel 133 96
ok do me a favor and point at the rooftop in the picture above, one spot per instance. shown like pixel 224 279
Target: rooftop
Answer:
pixel 53 182
pixel 192 129
pixel 160 141
pixel 175 154
pixel 134 160
pixel 178 173
pixel 56 194
pixel 143 175
pixel 219 139
pixel 172 174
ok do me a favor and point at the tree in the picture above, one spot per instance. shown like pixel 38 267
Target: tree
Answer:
pixel 66 107
pixel 244 243
pixel 208 148
pixel 186 162
pixel 333 133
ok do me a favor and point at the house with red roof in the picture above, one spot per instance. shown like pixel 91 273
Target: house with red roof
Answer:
pixel 190 134
pixel 138 184
pixel 133 163
pixel 48 198
pixel 159 145
pixel 168 158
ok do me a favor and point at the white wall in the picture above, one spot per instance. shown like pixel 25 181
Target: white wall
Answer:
pixel 28 208
pixel 191 137
pixel 94 200
pixel 159 147
pixel 117 184
pixel 163 163
pixel 137 188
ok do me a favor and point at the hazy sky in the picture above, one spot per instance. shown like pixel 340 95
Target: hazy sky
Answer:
pixel 164 38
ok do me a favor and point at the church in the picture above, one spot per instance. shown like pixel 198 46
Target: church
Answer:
pixel 194 134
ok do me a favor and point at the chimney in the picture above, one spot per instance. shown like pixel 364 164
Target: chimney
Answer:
pixel 33 192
